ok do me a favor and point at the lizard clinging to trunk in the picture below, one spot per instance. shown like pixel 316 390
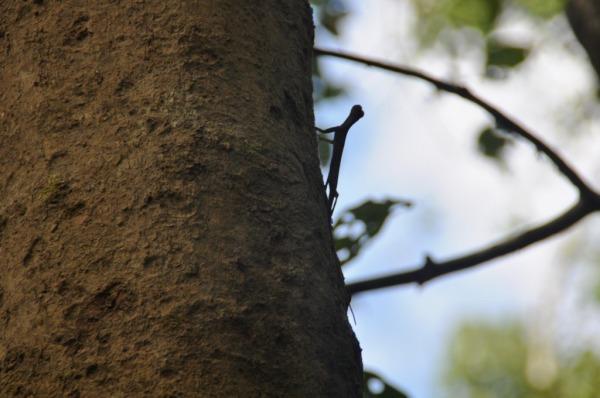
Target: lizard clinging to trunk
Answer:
pixel 339 140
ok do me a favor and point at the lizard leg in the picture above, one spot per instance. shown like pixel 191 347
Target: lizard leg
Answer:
pixel 333 201
pixel 326 131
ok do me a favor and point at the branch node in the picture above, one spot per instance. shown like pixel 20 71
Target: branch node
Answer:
pixel 429 262
pixel 427 271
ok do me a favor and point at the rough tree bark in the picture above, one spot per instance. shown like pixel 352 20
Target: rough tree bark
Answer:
pixel 163 228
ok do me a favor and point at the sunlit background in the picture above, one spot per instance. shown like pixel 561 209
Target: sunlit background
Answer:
pixel 516 327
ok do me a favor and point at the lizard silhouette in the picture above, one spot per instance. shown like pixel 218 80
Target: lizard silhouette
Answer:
pixel 339 139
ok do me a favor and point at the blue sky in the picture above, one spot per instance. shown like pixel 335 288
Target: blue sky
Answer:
pixel 416 144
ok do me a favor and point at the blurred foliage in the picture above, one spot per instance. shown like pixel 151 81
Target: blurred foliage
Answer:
pixel 437 15
pixel 487 361
pixel 503 55
pixel 449 22
pixel 542 8
pixel 479 14
pixel 376 387
pixel 357 226
pixel 328 14
pixel 323 89
pixel 484 361
pixel 492 144
pixel 452 24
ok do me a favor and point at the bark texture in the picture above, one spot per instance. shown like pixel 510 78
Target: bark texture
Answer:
pixel 163 228
pixel 584 17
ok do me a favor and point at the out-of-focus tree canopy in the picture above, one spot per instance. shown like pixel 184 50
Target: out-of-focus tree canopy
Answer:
pixel 504 360
pixel 484 360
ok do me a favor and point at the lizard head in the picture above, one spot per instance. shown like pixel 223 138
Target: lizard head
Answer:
pixel 356 112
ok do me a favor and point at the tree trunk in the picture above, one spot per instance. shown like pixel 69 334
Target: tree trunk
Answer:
pixel 163 226
pixel 584 17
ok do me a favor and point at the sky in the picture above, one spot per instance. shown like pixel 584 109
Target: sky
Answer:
pixel 416 144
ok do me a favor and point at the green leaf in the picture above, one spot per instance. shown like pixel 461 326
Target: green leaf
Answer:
pixel 330 13
pixel 387 392
pixel 441 20
pixel 504 55
pixel 543 8
pixel 368 218
pixel 331 91
pixel 373 214
pixel 478 14
pixel 492 144
pixel 330 22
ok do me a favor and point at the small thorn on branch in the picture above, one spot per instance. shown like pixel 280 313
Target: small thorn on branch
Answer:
pixel 427 271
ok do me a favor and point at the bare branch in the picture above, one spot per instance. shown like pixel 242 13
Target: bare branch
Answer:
pixel 589 200
pixel 432 269
pixel 503 122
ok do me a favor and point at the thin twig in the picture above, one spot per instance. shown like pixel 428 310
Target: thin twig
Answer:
pixel 503 122
pixel 589 200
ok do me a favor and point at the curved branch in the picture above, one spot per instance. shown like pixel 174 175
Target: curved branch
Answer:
pixel 503 122
pixel 589 200
pixel 432 269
